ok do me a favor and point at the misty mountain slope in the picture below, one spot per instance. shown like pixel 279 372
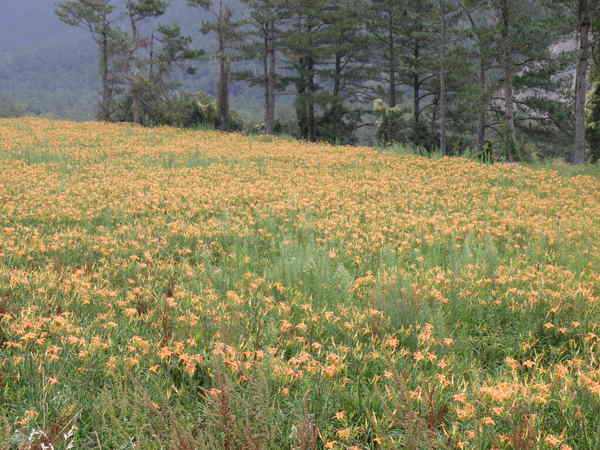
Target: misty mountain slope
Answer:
pixel 52 68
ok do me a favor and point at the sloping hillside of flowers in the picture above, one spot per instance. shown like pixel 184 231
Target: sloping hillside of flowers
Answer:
pixel 162 288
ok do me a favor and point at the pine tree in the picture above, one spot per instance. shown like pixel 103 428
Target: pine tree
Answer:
pixel 584 26
pixel 518 78
pixel 420 71
pixel 596 43
pixel 479 35
pixel 579 18
pixel 443 11
pixel 302 45
pixel 135 62
pixel 95 16
pixel 265 18
pixel 384 26
pixel 138 12
pixel 593 122
pixel 228 34
pixel 325 50
pixel 168 49
pixel 344 70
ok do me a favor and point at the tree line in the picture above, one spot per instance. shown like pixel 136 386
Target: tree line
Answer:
pixel 509 78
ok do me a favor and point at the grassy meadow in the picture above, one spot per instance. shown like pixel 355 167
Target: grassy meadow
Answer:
pixel 171 289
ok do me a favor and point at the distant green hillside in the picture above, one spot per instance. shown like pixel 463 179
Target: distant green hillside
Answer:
pixel 50 68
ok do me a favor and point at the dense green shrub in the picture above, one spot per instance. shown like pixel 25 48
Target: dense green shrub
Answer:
pixel 180 109
pixel 392 124
pixel 338 124
pixel 396 125
pixel 10 108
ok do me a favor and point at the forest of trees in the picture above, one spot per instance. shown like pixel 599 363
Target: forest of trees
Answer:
pixel 517 79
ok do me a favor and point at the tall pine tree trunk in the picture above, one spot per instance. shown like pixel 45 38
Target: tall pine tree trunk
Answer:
pixel 435 112
pixel 269 71
pixel 508 69
pixel 483 107
pixel 104 113
pixel 265 57
pixel 583 34
pixel 134 90
pixel 303 93
pixel 392 51
pixel 416 95
pixel 312 122
pixel 223 84
pixel 483 94
pixel 135 106
pixel 443 90
pixel 337 75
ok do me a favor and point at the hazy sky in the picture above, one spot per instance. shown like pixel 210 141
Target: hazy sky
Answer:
pixel 30 23
pixel 33 23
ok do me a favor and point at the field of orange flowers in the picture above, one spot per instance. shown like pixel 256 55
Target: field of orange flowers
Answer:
pixel 162 288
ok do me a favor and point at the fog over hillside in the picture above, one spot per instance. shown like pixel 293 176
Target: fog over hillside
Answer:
pixel 25 24
pixel 52 68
